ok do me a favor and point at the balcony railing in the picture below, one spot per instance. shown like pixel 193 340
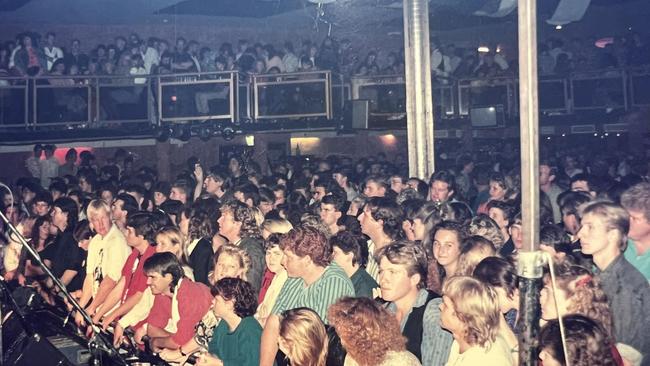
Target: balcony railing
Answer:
pixel 107 101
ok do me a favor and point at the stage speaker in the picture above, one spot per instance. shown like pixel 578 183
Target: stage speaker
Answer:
pixel 487 117
pixel 23 349
pixel 355 115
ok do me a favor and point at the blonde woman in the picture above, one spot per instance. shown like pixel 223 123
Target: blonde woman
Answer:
pixel 280 226
pixel 470 311
pixel 475 249
pixel 303 338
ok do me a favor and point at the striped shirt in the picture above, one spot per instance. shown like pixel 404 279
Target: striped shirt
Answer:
pixel 318 296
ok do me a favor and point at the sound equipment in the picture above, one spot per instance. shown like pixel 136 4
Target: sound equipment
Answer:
pixel 355 115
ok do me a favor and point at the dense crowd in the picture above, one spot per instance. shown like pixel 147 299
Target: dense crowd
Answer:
pixel 33 54
pixel 336 261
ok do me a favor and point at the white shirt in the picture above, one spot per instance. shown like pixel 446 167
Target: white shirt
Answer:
pixel 150 57
pixel 497 355
pixel 106 256
pixel 49 170
pixel 55 53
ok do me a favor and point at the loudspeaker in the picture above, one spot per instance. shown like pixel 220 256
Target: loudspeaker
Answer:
pixel 355 115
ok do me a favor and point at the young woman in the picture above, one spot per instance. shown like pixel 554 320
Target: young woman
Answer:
pixel 587 343
pixel 470 311
pixel 303 337
pixel 475 249
pixel 448 240
pixel 369 333
pixel 274 278
pixel 198 230
pixel 236 340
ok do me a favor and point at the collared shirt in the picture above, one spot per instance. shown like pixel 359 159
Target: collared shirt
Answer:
pixel 640 262
pixel 326 290
pixel 372 267
pixel 363 283
pixel 628 294
pixel 436 342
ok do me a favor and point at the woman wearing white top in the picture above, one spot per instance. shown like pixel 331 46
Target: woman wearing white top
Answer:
pixel 470 311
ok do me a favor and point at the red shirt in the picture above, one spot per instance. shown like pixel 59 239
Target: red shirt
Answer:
pixel 266 283
pixel 133 272
pixel 194 301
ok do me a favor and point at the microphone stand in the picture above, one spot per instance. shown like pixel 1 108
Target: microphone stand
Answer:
pixel 96 344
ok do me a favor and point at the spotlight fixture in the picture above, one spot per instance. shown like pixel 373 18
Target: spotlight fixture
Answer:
pixel 162 133
pixel 228 132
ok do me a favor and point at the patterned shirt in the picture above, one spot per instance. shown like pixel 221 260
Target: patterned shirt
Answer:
pixel 318 296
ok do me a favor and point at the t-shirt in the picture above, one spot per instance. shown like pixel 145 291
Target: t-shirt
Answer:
pixel 363 283
pixel 326 290
pixel 133 272
pixel 66 255
pixel 640 262
pixel 496 354
pixel 238 348
pixel 106 256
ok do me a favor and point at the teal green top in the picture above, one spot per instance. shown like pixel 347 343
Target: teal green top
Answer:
pixel 238 348
pixel 640 262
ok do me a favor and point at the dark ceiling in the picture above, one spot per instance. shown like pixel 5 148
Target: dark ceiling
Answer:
pixel 234 8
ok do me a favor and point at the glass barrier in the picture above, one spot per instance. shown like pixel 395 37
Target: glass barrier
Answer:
pixel 202 96
pixel 599 90
pixel 123 100
pixel 639 91
pixel 61 100
pixel 553 96
pixel 293 95
pixel 485 92
pixel 14 103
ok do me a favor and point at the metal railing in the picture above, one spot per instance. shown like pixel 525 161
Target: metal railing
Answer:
pixel 107 101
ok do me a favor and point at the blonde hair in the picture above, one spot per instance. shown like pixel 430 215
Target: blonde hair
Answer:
pixel 476 248
pixel 235 252
pixel 280 226
pixel 304 333
pixel 95 207
pixel 175 237
pixel 477 306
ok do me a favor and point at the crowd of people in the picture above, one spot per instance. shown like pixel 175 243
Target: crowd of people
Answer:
pixel 332 261
pixel 33 54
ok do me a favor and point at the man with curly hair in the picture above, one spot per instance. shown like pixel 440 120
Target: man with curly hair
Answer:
pixel 314 282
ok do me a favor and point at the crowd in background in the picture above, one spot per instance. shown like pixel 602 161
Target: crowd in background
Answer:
pixel 339 261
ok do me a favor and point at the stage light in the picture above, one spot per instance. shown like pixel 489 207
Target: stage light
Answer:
pixel 228 133
pixel 558 27
pixel 483 49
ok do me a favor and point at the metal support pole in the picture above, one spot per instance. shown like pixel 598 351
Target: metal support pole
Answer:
pixel 419 109
pixel 529 265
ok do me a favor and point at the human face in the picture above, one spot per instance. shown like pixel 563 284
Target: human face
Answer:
pixel 517 235
pixel 394 281
pixel 279 197
pixel 440 191
pixel 318 193
pixel 228 227
pixel 419 229
pixel 44 230
pixel 369 225
pixel 83 244
pixel 446 247
pixel 340 179
pixel 505 300
pixel 178 194
pixel 294 264
pixel 547 358
pixel 497 215
pixel 107 196
pixel 342 259
pixel 84 185
pixel 222 307
pixel 212 185
pixel 448 318
pixel 274 256
pixel 328 214
pixel 158 283
pixel 413 184
pixel 227 266
pixel 571 224
pixel 184 225
pixel 396 184
pixel 159 198
pixel 101 223
pixel 59 218
pixel 163 245
pixel 593 234
pixel 547 299
pixel 639 225
pixel 117 213
pixel 41 208
pixel 545 176
pixel 374 190
pixel 580 186
pixel 265 206
pixel 497 193
pixel 132 238
pixel 234 167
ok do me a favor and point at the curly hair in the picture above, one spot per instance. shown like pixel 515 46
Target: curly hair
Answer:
pixel 308 241
pixel 408 254
pixel 387 210
pixel 477 307
pixel 436 272
pixel 586 340
pixel 240 292
pixel 305 336
pixel 367 330
pixel 484 226
pixel 584 292
pixel 247 217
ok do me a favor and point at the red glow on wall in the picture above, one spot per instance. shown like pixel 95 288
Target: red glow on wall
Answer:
pixel 60 152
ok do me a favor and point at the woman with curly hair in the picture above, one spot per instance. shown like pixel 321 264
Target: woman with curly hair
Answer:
pixel 587 343
pixel 369 333
pixel 236 340
pixel 303 337
pixel 470 311
pixel 229 261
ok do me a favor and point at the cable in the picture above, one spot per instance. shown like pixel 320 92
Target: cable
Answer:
pixel 557 307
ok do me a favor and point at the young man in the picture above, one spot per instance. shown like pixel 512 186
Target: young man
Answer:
pixel 503 212
pixel 140 233
pixel 107 253
pixel 381 221
pixel 402 279
pixel 314 282
pixel 331 211
pixel 350 252
pixel 237 224
pixel 636 201
pixel 42 203
pixel 375 186
pixel 49 166
pixel 341 177
pixel 570 202
pixel 441 186
pixel 179 303
pixel 123 205
pixel 247 193
pixel 603 228
pixel 33 163
pixel 180 191
pixel 547 175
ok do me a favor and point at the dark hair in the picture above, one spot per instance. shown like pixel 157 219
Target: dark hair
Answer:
pixel 165 263
pixel 351 243
pixel 390 213
pixel 444 176
pixel 82 231
pixel 37 226
pixel 67 205
pixel 240 292
pixel 249 191
pixel 43 196
pixel 144 225
pixel 336 201
pixel 497 272
pixel 162 187
pixel 569 201
pixel 129 204
pixel 509 209
pixel 58 186
pixel 556 237
pixel 172 207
